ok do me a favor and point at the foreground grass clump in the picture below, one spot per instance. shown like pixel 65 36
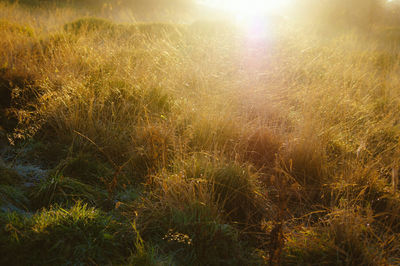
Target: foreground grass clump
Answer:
pixel 234 187
pixel 310 247
pixel 63 236
pixel 183 219
pixel 344 237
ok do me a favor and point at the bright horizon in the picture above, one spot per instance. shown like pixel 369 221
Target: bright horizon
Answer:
pixel 248 7
pixel 250 14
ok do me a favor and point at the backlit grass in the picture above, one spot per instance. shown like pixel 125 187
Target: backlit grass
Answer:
pixel 198 144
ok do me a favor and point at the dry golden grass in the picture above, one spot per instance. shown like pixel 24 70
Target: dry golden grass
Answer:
pixel 217 127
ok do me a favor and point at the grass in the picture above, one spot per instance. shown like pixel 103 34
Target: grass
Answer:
pixel 9 176
pixel 183 218
pixel 66 191
pixel 199 144
pixel 233 187
pixel 81 234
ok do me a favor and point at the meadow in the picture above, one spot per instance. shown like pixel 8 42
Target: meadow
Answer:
pixel 169 143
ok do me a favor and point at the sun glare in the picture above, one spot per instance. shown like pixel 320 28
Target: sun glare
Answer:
pixel 248 8
pixel 251 15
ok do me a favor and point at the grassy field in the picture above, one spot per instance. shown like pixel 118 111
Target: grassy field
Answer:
pixel 196 143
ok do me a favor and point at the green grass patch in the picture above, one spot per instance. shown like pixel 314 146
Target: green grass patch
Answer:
pixel 57 236
pixel 85 168
pixel 65 191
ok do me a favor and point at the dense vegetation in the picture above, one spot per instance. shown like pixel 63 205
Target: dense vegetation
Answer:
pixel 197 143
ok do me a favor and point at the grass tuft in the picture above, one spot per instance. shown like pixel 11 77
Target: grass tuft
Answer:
pixel 65 191
pixel 65 236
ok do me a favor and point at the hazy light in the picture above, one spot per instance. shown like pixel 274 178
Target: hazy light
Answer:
pixel 252 15
pixel 248 7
